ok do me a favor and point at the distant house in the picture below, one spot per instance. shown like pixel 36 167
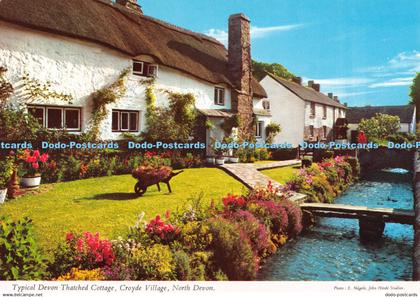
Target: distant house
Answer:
pixel 80 46
pixel 406 113
pixel 303 112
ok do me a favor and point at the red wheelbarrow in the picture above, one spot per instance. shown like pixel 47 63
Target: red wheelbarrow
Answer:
pixel 148 176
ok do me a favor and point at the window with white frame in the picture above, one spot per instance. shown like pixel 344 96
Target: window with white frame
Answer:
pixel 57 117
pixel 259 129
pixel 266 104
pixel 141 68
pixel 324 111
pixel 312 109
pixel 138 67
pixel 219 96
pixel 125 120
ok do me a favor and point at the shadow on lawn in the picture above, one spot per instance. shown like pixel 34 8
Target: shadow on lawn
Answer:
pixel 114 196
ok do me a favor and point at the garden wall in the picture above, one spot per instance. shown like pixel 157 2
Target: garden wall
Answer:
pixel 385 158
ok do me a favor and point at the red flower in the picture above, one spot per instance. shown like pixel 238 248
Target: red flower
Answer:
pixel 35 165
pixel 36 153
pixel 43 158
pixel 31 159
pixel 69 236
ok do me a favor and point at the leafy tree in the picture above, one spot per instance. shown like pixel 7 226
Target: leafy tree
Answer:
pixel 415 94
pixel 380 126
pixel 259 69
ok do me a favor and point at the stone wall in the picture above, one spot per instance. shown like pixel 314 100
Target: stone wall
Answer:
pixel 382 157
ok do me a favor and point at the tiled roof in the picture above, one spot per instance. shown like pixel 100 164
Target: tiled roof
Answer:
pixel 356 114
pixel 306 93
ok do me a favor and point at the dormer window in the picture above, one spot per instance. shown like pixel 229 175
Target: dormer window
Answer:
pixel 152 70
pixel 219 96
pixel 266 104
pixel 141 68
pixel 138 68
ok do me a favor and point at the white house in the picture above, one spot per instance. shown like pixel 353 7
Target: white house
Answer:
pixel 406 113
pixel 81 46
pixel 304 113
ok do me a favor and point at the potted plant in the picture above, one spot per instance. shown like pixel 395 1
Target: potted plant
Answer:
pixel 6 170
pixel 210 160
pixel 32 163
pixel 235 157
pixel 220 160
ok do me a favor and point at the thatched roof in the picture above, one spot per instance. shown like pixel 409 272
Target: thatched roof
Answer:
pixel 306 93
pixel 404 112
pixel 133 34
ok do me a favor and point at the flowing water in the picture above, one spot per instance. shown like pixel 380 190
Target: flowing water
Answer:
pixel 332 250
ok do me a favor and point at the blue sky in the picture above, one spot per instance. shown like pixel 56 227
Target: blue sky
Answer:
pixel 366 52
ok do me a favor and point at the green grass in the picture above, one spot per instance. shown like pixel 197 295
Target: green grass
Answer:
pixel 281 174
pixel 108 204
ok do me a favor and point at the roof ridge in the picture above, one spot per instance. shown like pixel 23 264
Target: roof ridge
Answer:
pixel 163 23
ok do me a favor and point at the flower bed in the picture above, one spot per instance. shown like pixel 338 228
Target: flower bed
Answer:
pixel 323 181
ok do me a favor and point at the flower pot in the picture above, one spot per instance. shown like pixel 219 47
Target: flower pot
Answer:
pixel 226 158
pixel 234 160
pixel 3 193
pixel 30 182
pixel 210 160
pixel 220 161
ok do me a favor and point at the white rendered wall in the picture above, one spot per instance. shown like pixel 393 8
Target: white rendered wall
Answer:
pixel 287 109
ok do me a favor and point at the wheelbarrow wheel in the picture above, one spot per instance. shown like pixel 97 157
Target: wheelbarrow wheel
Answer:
pixel 140 189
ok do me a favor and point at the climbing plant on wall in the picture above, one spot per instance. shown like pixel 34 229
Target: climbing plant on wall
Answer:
pixel 6 88
pixel 101 98
pixel 175 122
pixel 35 89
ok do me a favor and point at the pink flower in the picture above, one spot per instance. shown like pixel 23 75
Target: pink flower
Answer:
pixel 43 158
pixel 69 236
pixel 36 154
pixel 31 159
pixel 35 165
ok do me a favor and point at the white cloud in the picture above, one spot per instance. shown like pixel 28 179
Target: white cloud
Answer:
pixel 404 62
pixel 341 81
pixel 256 32
pixel 353 94
pixel 395 82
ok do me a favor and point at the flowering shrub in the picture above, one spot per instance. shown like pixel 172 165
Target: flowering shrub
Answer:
pixel 153 263
pixel 322 182
pixel 32 161
pixel 233 202
pixel 271 214
pixel 86 251
pixel 161 231
pixel 83 275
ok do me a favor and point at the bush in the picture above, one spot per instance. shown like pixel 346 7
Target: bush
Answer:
pixel 284 154
pixel 294 216
pixel 306 162
pixel 232 250
pixel 20 258
pixel 153 263
pixel 83 275
pixel 271 214
pixel 182 265
pixel 86 251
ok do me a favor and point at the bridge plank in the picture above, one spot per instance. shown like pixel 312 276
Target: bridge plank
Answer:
pixel 390 215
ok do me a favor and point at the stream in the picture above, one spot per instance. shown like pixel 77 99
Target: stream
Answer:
pixel 331 251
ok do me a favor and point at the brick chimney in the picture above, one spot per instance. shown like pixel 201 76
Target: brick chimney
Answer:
pixel 130 4
pixel 240 69
pixel 331 95
pixel 310 83
pixel 297 79
pixel 316 87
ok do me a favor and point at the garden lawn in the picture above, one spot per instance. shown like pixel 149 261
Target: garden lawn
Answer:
pixel 108 204
pixel 281 174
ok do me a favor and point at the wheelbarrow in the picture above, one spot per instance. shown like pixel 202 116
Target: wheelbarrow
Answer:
pixel 146 181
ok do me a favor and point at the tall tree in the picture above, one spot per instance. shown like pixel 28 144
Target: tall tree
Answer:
pixel 415 94
pixel 259 69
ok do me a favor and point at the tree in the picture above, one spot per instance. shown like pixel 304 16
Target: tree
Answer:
pixel 260 68
pixel 415 94
pixel 380 126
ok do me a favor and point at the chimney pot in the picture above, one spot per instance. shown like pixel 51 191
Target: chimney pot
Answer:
pixel 316 87
pixel 336 98
pixel 331 95
pixel 130 4
pixel 310 83
pixel 297 79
